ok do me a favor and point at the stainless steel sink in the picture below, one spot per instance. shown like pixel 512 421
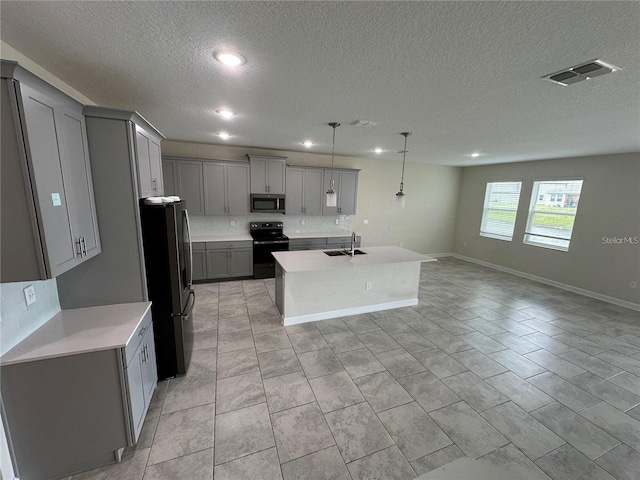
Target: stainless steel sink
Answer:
pixel 337 253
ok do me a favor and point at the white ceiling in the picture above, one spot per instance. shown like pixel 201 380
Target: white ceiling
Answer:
pixel 462 76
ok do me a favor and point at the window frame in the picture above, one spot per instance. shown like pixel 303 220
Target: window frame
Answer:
pixel 535 194
pixel 485 210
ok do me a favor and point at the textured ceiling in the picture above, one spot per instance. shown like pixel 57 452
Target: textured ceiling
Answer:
pixel 462 76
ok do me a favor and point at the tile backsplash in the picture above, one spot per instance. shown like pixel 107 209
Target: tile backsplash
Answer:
pixel 17 321
pixel 221 225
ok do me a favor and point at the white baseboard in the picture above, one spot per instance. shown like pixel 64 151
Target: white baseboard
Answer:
pixel 344 312
pixel 564 286
pixel 438 255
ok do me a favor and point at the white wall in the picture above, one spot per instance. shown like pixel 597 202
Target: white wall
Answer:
pixel 425 225
pixel 609 206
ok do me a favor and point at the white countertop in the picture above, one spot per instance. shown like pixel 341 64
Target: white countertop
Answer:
pixel 238 237
pixel 345 233
pixel 310 260
pixel 81 330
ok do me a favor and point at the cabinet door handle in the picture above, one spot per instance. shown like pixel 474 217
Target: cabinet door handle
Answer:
pixel 141 332
pixel 154 182
pixel 79 246
pixel 84 246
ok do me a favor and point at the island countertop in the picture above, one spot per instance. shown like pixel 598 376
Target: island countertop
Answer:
pixel 312 260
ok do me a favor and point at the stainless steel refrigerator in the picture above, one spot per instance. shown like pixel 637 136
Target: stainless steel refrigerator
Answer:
pixel 168 262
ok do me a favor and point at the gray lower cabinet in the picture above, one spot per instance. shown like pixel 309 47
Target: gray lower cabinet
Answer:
pixel 222 260
pixel 199 261
pixel 49 221
pixel 77 409
pixel 319 243
pixel 346 186
pixel 342 242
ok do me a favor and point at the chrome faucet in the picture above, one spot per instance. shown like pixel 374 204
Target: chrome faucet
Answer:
pixel 353 244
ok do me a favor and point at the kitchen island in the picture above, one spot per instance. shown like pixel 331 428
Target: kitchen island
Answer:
pixel 311 285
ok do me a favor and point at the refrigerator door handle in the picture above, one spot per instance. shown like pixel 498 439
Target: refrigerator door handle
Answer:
pixel 188 225
pixel 190 304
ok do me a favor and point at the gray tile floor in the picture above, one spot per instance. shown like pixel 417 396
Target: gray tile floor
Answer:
pixel 540 381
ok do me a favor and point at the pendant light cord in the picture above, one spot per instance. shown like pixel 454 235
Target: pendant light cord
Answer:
pixel 404 156
pixel 333 149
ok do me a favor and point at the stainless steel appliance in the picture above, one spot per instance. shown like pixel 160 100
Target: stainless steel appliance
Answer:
pixel 168 261
pixel 267 238
pixel 267 203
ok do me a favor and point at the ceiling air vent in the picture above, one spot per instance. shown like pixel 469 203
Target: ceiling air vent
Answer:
pixel 578 73
pixel 363 123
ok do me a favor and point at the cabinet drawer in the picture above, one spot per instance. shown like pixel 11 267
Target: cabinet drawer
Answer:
pixel 136 338
pixel 342 242
pixel 312 243
pixel 229 245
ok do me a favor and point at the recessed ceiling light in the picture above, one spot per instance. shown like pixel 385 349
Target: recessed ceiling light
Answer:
pixel 225 113
pixel 307 143
pixel 475 154
pixel 223 135
pixel 378 150
pixel 229 58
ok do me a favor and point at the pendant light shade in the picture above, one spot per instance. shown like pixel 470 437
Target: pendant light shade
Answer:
pixel 332 196
pixel 400 196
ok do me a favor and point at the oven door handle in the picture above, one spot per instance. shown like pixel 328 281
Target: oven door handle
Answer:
pixel 269 242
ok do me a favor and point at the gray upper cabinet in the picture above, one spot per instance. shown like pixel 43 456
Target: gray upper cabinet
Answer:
pixel 183 177
pixel 209 187
pixel 267 174
pixel 190 187
pixel 144 142
pixel 226 188
pixel 49 222
pixel 304 191
pixel 346 186
pixel 169 176
pixel 117 275
pixel 149 163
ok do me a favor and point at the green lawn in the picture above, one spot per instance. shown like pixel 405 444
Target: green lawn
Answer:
pixel 547 217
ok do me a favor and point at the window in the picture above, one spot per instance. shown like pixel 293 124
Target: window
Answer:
pixel 551 213
pixel 500 207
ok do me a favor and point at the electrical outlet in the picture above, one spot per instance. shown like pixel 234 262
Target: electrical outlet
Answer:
pixel 402 244
pixel 337 221
pixel 232 223
pixel 464 244
pixel 30 295
pixel 302 222
pixel 633 284
pixel 365 221
pixel 367 286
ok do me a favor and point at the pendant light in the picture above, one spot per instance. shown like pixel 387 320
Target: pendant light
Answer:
pixel 332 197
pixel 400 196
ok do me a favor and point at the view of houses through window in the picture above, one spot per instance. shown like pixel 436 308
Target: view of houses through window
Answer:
pixel 552 212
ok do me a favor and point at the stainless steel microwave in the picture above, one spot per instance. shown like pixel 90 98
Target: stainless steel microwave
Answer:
pixel 267 203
